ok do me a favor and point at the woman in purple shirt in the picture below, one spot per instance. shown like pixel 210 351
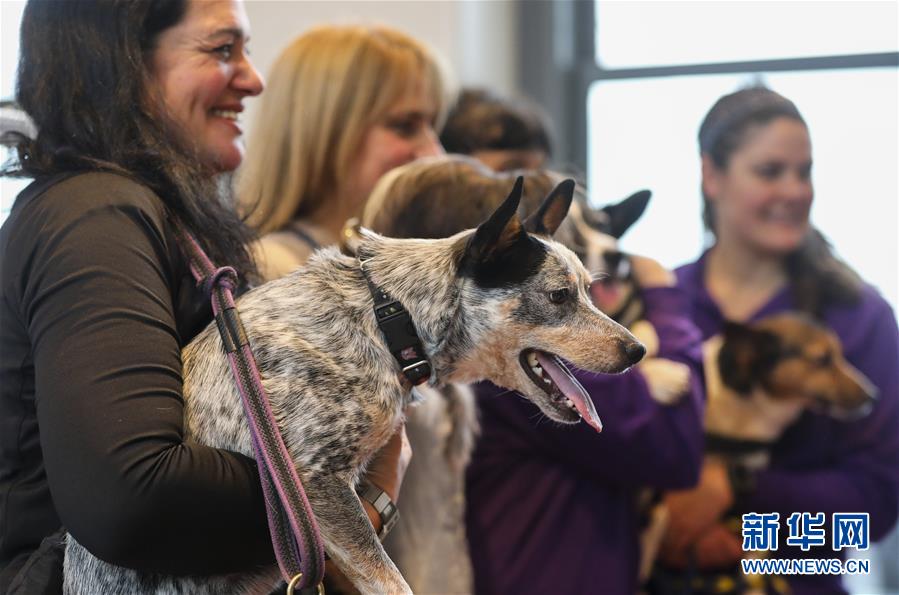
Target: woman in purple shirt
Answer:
pixel 756 183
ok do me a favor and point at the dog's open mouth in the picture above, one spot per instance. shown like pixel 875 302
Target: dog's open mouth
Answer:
pixel 841 412
pixel 549 373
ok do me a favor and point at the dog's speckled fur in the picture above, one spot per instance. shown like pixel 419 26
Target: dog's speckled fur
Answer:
pixel 335 388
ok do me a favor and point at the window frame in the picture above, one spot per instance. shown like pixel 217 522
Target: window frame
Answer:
pixel 557 69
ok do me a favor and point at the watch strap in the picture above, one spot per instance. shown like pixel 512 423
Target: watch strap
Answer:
pixel 382 504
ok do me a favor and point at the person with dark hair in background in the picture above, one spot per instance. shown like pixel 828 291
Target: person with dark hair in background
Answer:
pixel 504 134
pixel 137 106
pixel 766 259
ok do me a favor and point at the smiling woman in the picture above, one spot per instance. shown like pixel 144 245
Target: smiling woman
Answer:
pixel 766 260
pixel 201 67
pixel 134 103
pixel 345 104
pixel 769 185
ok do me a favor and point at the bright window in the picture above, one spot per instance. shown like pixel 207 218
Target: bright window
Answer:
pixel 637 34
pixel 10 16
pixel 643 135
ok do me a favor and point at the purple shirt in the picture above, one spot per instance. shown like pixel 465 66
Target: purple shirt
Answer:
pixel 552 508
pixel 819 464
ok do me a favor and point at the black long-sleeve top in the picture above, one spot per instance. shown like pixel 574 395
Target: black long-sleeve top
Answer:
pixel 97 302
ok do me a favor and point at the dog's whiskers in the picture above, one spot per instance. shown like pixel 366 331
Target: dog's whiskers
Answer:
pixel 599 275
pixel 505 392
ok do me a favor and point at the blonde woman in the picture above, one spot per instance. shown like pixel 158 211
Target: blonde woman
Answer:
pixel 345 104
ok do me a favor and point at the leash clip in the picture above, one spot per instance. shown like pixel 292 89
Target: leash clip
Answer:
pixel 292 586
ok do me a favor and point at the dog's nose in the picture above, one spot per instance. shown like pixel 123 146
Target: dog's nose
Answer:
pixel 633 351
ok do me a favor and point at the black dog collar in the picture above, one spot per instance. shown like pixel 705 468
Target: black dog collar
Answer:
pixel 399 333
pixel 718 444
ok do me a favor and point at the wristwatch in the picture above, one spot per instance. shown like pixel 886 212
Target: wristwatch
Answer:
pixel 384 506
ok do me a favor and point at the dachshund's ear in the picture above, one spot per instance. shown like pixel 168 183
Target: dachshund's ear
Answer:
pixel 546 220
pixel 747 355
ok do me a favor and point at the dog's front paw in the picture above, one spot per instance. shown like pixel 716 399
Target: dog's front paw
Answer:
pixel 646 334
pixel 667 380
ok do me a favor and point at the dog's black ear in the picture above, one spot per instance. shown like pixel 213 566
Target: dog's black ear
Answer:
pixel 625 213
pixel 502 229
pixel 546 220
pixel 746 356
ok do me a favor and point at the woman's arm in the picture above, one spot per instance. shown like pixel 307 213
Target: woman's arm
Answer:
pixel 97 302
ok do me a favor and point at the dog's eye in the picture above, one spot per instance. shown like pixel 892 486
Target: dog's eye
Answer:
pixel 558 296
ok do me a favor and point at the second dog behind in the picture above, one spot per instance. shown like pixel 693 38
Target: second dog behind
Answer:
pixel 593 235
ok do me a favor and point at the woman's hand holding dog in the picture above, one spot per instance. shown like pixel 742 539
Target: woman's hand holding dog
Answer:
pixel 719 547
pixel 388 467
pixel 693 512
pixel 386 471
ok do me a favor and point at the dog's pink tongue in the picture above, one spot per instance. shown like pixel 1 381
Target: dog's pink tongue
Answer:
pixel 605 295
pixel 570 387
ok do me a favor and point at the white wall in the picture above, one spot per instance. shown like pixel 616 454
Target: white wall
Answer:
pixel 475 39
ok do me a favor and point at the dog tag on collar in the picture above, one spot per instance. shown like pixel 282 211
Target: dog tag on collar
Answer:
pixel 418 372
pixel 399 333
pixel 403 342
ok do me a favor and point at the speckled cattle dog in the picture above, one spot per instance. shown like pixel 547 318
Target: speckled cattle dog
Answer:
pixel 503 302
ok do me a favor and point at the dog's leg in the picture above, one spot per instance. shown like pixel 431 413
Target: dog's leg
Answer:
pixel 350 539
pixel 668 380
pixel 646 334
pixel 651 541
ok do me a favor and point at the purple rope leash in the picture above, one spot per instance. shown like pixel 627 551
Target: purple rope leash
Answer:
pixel 295 534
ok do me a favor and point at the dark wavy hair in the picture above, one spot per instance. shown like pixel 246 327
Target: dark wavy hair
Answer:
pixel 84 80
pixel 481 120
pixel 817 277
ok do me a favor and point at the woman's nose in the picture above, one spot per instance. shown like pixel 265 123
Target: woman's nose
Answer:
pixel 248 79
pixel 428 144
pixel 797 186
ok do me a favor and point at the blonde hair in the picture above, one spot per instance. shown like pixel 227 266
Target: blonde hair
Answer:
pixel 439 196
pixel 325 91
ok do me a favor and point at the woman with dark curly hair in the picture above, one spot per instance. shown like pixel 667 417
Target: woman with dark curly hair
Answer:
pixel 137 104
